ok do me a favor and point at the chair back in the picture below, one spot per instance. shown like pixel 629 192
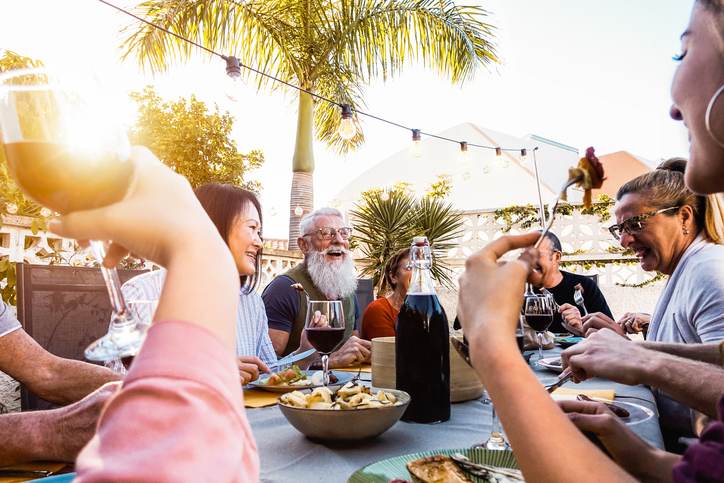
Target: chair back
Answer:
pixel 365 293
pixel 64 309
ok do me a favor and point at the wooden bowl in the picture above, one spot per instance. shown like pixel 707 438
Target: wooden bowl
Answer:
pixel 464 382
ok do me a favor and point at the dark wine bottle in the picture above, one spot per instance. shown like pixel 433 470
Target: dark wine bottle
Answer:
pixel 422 344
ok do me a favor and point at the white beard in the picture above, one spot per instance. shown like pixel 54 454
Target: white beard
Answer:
pixel 335 280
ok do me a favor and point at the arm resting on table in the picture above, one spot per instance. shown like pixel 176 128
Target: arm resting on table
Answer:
pixel 52 378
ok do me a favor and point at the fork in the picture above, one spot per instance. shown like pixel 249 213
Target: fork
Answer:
pixel 578 298
pixel 568 184
pixel 562 379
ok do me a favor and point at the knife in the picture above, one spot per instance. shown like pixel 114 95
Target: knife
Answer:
pixel 462 347
pixel 291 358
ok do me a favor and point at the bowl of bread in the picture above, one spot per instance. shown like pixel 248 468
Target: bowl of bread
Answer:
pixel 352 412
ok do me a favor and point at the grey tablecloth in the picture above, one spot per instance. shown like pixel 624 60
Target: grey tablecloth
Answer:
pixel 287 456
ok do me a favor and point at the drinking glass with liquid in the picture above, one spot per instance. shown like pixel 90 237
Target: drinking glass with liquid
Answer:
pixel 66 149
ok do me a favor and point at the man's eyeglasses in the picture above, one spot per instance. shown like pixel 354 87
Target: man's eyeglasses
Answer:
pixel 328 233
pixel 636 223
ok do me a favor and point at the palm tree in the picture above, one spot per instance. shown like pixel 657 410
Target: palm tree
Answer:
pixel 329 47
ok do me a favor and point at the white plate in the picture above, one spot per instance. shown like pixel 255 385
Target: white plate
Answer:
pixel 637 413
pixel 549 363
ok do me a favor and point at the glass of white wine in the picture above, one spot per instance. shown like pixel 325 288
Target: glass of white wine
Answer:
pixel 67 150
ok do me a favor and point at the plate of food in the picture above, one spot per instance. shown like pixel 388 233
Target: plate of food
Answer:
pixel 551 363
pixel 350 413
pixel 449 465
pixel 294 378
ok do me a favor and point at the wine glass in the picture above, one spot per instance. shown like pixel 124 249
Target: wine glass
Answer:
pixel 66 150
pixel 538 312
pixel 325 329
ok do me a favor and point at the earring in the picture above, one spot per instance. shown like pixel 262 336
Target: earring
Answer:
pixel 686 231
pixel 707 116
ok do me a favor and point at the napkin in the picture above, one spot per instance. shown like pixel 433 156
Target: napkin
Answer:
pixel 571 393
pixel 361 368
pixel 54 467
pixel 257 398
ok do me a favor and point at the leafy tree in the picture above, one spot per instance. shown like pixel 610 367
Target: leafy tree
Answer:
pixel 385 223
pixel 193 141
pixel 11 198
pixel 331 48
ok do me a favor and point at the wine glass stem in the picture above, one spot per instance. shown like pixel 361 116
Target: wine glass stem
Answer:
pixel 540 345
pixel 325 369
pixel 113 283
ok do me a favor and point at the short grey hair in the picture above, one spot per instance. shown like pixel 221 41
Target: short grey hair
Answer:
pixel 308 221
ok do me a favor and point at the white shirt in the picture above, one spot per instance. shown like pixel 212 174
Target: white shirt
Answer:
pixel 252 331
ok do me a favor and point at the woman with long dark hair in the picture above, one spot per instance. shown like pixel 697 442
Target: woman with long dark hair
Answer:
pixel 236 213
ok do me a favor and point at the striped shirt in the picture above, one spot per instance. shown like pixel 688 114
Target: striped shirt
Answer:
pixel 9 323
pixel 252 331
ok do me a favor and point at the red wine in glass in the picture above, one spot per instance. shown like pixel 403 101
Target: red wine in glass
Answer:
pixel 539 323
pixel 325 339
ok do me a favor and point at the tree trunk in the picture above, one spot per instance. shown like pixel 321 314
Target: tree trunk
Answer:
pixel 302 193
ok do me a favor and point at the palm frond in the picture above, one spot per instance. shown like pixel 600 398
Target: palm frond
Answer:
pixel 254 31
pixel 378 37
pixel 385 226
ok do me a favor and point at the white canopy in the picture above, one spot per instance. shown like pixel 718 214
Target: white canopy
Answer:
pixel 481 181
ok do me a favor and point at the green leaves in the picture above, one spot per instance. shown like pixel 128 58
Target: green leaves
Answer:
pixel 196 143
pixel 385 223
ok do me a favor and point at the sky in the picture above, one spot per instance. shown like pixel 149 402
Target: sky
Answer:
pixel 580 72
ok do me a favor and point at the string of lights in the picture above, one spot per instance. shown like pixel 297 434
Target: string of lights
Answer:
pixel 347 129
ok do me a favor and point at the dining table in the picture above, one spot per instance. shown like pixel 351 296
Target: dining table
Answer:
pixel 288 456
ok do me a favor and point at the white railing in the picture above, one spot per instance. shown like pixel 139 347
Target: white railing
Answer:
pixel 584 236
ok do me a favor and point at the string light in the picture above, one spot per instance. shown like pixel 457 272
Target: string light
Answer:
pixel 298 211
pixel 233 70
pixel 385 196
pixel 347 129
pixel 416 143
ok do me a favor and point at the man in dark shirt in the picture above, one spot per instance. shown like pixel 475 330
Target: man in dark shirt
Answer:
pixel 327 273
pixel 563 286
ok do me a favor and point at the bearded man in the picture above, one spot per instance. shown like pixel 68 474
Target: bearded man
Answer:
pixel 327 273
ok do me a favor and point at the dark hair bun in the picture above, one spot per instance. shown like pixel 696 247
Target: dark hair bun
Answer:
pixel 677 165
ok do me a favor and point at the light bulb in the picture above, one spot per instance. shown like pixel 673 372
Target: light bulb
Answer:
pixel 45 212
pixel 464 160
pixel 299 211
pixel 416 143
pixel 233 81
pixel 385 196
pixel 11 208
pixel 347 130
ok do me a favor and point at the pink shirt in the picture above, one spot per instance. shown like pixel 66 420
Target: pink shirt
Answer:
pixel 179 416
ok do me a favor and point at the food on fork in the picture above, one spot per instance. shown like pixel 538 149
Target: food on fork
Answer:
pixel 589 174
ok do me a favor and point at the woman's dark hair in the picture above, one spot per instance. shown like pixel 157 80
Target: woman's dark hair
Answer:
pixel 223 203
pixel 664 187
pixel 393 265
pixel 716 6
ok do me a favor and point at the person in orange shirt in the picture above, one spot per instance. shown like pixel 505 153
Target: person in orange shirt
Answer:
pixel 381 315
